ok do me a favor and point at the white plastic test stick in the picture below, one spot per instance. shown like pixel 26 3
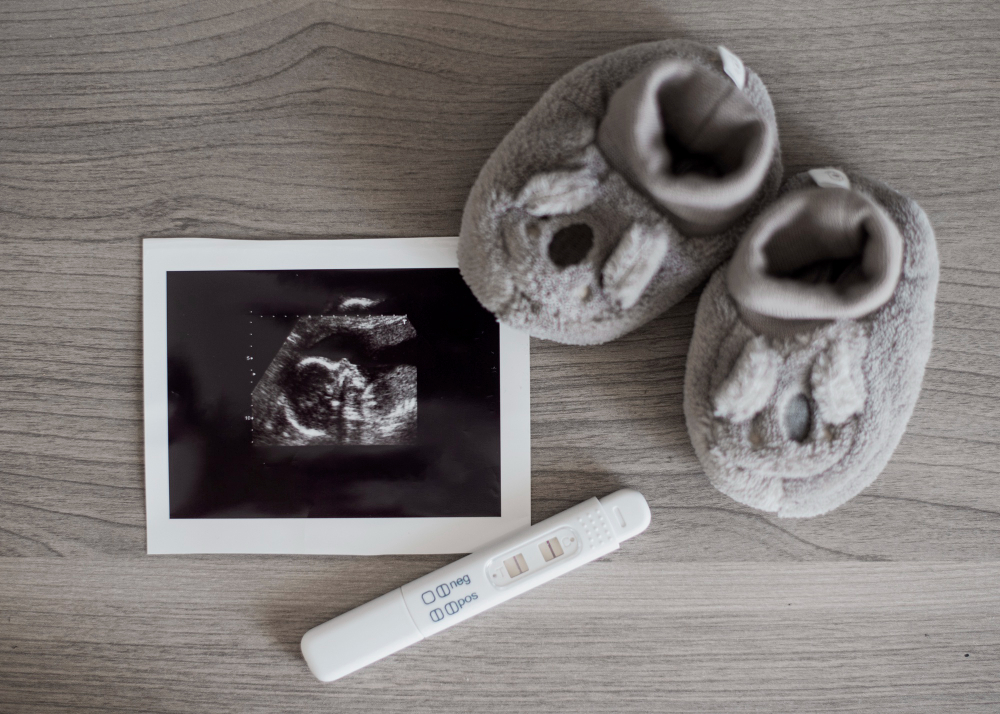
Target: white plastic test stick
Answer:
pixel 473 584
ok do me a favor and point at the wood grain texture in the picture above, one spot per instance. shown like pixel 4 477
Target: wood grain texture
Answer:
pixel 291 118
pixel 196 635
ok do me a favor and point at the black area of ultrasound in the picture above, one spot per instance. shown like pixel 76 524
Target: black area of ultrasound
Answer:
pixel 215 472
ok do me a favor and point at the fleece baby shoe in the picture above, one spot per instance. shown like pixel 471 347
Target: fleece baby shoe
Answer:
pixel 809 346
pixel 620 191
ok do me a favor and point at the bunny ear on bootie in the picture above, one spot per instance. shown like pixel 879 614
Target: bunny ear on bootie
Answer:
pixel 809 346
pixel 620 191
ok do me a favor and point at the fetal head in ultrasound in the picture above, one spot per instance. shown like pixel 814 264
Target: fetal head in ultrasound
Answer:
pixel 339 379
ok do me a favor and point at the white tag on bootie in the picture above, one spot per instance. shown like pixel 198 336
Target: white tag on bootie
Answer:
pixel 733 66
pixel 830 178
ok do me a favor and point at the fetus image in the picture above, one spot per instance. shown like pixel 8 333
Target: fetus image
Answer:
pixel 337 379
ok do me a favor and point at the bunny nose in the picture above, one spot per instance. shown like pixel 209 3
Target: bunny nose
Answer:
pixel 571 244
pixel 797 418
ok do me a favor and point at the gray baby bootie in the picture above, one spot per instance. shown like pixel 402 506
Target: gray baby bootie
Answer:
pixel 809 346
pixel 620 191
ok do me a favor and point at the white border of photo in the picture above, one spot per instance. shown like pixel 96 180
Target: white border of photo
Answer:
pixel 332 536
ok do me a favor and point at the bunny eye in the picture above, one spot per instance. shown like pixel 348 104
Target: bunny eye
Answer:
pixel 751 382
pixel 838 384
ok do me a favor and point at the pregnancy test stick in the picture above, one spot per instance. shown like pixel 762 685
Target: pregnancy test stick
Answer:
pixel 475 583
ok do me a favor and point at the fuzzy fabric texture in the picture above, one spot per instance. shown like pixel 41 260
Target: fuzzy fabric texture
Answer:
pixel 557 242
pixel 797 417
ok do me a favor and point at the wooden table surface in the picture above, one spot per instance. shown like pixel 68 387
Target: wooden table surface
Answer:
pixel 296 118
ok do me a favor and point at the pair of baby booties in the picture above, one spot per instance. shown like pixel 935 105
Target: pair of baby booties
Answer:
pixel 634 178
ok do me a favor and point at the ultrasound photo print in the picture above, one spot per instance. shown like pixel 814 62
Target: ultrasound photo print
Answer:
pixel 331 394
pixel 329 383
